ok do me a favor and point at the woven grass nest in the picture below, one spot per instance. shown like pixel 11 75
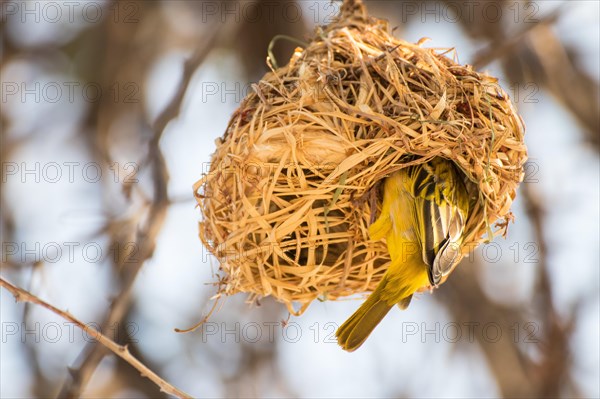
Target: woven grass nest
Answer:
pixel 295 181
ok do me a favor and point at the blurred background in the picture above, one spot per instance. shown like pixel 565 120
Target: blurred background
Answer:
pixel 109 114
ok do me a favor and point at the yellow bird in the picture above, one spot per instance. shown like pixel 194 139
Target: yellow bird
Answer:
pixel 425 209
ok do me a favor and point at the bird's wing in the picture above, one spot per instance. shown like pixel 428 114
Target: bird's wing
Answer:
pixel 438 215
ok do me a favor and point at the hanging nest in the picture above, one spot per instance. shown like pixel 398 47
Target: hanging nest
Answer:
pixel 295 181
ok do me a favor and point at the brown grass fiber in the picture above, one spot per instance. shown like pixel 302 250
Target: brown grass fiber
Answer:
pixel 294 182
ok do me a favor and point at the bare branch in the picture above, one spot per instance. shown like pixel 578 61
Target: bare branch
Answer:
pixel 122 351
pixel 554 369
pixel 146 238
pixel 497 50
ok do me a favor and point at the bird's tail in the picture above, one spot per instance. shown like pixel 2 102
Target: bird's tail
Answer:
pixel 359 326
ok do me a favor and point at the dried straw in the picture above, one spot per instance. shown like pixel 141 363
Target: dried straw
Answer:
pixel 294 182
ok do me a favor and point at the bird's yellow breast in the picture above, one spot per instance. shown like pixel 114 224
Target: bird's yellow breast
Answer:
pixel 407 272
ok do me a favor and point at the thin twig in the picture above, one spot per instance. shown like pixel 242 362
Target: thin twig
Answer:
pixel 189 67
pixel 122 351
